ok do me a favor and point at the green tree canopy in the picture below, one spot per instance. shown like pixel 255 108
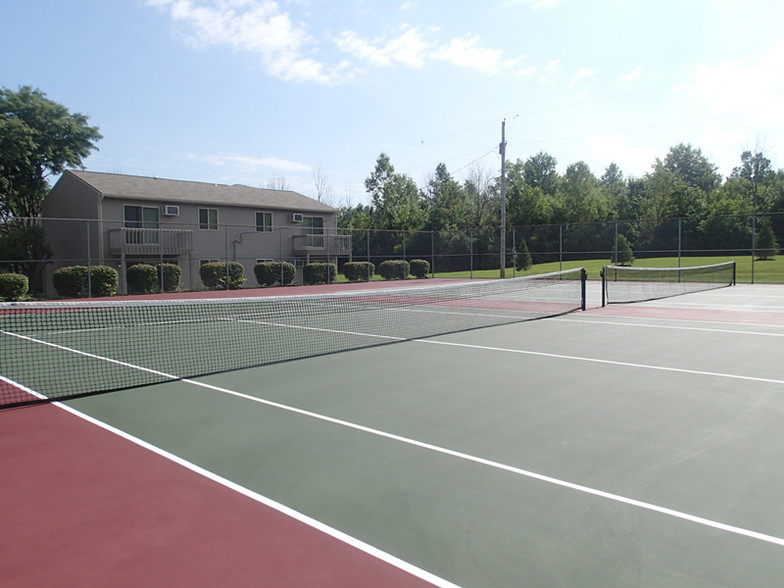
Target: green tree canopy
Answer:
pixel 39 138
pixel 692 167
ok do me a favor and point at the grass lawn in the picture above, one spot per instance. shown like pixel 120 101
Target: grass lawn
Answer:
pixel 769 271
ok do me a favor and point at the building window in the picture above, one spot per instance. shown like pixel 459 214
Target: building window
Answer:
pixel 205 261
pixel 263 221
pixel 140 218
pixel 208 219
pixel 313 225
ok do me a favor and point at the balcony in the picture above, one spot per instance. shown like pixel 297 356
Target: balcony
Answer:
pixel 331 245
pixel 128 241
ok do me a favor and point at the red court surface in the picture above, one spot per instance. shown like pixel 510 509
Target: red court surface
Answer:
pixel 691 314
pixel 82 506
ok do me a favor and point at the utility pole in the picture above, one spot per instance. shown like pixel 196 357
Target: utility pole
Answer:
pixel 502 151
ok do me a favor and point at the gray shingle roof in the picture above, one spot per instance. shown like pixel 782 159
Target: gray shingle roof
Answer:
pixel 176 191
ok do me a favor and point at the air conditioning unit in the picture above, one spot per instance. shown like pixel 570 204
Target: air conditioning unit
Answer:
pixel 297 217
pixel 171 210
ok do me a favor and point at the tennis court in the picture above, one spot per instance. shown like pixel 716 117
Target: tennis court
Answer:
pixel 633 445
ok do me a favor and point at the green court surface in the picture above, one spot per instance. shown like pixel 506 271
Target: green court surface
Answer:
pixel 633 446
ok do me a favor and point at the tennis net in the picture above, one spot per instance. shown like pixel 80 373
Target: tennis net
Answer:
pixel 622 284
pixel 61 350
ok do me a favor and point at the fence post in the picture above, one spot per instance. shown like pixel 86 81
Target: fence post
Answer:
pixel 680 236
pixel 405 276
pixel 226 249
pixel 615 247
pixel 89 264
pixel 160 265
pixel 432 255
pixel 753 243
pixel 471 253
pixel 560 247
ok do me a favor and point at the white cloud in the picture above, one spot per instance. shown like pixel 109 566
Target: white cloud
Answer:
pixel 536 4
pixel 470 54
pixel 288 51
pixel 614 148
pixel 632 75
pixel 582 73
pixel 747 85
pixel 351 43
pixel 254 26
pixel 247 163
pixel 526 71
pixel 409 49
pixel 549 71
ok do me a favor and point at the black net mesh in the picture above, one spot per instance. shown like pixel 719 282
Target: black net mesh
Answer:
pixel 62 350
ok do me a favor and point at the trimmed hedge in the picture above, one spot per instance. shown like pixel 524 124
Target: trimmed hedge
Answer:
pixel 13 286
pixel 72 281
pixel 268 273
pixel 420 268
pixel 394 269
pixel 320 273
pixel 172 274
pixel 358 271
pixel 213 275
pixel 142 278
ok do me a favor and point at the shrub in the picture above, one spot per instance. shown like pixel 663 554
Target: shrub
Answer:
pixel 524 260
pixel 625 253
pixel 320 273
pixel 13 286
pixel 214 275
pixel 420 268
pixel 358 271
pixel 268 273
pixel 70 281
pixel 172 274
pixel 104 280
pixel 394 269
pixel 73 282
pixel 766 245
pixel 142 278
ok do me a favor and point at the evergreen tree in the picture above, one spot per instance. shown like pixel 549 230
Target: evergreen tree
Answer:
pixel 624 251
pixel 766 247
pixel 524 260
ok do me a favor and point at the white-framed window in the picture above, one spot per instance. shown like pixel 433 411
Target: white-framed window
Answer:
pixel 204 261
pixel 263 221
pixel 208 219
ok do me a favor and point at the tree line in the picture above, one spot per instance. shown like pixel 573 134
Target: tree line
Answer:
pixel 685 184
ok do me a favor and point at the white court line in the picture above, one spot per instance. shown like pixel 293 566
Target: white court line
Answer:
pixel 740 308
pixel 450 452
pixel 296 515
pixel 675 327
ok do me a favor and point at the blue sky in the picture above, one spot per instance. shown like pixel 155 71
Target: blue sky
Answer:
pixel 250 91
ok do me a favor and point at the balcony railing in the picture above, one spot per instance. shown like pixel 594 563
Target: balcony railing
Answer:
pixel 150 241
pixel 322 244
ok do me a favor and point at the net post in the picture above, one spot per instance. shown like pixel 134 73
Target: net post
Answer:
pixel 603 273
pixel 583 280
pixel 734 272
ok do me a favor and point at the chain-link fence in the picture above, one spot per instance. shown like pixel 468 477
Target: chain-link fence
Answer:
pixel 38 247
